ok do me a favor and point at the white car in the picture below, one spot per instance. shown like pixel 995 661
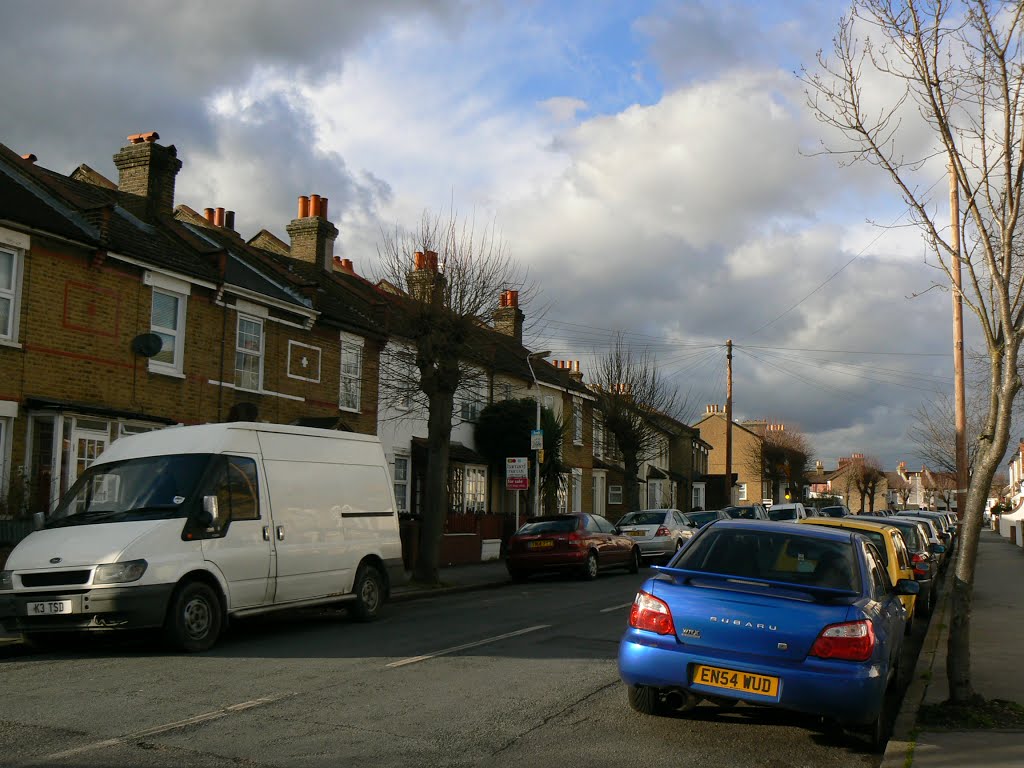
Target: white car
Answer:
pixel 660 533
pixel 790 512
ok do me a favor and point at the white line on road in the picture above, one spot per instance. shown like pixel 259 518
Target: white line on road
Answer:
pixel 203 718
pixel 446 651
pixel 617 607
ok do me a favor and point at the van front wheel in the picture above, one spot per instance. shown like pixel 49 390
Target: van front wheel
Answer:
pixel 194 618
pixel 369 593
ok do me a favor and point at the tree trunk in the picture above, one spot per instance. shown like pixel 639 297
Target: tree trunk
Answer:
pixel 630 468
pixel 435 497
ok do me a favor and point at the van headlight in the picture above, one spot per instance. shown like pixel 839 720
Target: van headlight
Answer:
pixel 119 573
pixel 6 579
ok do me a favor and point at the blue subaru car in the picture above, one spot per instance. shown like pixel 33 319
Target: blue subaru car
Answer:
pixel 776 614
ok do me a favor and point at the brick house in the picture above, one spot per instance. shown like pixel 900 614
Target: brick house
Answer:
pixel 93 272
pixel 749 478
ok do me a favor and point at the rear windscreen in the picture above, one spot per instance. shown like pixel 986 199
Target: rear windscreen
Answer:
pixel 551 526
pixel 643 518
pixel 774 556
pixel 782 514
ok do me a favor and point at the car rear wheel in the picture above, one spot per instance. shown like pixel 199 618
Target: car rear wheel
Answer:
pixel 634 560
pixel 643 698
pixel 590 567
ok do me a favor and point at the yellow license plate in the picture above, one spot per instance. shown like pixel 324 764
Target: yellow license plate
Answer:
pixel 732 680
pixel 541 544
pixel 635 533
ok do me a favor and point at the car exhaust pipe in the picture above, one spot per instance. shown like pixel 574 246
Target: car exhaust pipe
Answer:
pixel 682 701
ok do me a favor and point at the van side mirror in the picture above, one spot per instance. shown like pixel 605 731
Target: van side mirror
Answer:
pixel 210 515
pixel 38 518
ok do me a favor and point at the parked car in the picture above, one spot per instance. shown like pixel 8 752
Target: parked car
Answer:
pixel 774 614
pixel 748 512
pixel 924 557
pixel 660 533
pixel 891 546
pixel 702 517
pixel 839 510
pixel 939 535
pixel 946 528
pixel 790 511
pixel 583 543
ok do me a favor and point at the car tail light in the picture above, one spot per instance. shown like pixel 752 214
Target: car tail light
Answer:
pixel 651 614
pixel 574 540
pixel 663 531
pixel 918 557
pixel 850 641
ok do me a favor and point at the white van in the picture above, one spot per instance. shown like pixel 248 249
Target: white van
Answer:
pixel 184 527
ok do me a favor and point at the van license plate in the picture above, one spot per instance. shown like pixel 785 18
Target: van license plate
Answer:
pixel 49 608
pixel 736 681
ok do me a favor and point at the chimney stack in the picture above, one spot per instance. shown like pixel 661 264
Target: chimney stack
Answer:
pixel 424 278
pixel 312 234
pixel 29 158
pixel 146 175
pixel 343 265
pixel 229 220
pixel 508 318
pixel 574 371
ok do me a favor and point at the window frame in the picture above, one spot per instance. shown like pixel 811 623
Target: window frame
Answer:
pixel 16 245
pixel 240 351
pixel 577 421
pixel 350 344
pixel 615 494
pixel 178 334
pixel 741 491
pixel 401 499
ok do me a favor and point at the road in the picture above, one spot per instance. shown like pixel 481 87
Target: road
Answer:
pixel 519 676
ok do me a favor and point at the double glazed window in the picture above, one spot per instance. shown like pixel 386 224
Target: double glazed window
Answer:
pixel 10 283
pixel 351 372
pixel 249 353
pixel 401 482
pixel 167 320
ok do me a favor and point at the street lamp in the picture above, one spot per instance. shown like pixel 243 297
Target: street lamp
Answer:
pixel 536 457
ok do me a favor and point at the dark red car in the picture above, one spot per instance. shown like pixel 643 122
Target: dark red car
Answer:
pixel 580 542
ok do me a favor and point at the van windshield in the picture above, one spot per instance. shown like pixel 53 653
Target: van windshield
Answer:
pixel 146 488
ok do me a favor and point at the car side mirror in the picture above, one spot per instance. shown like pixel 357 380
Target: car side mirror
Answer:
pixel 907 587
pixel 210 515
pixel 936 549
pixel 37 521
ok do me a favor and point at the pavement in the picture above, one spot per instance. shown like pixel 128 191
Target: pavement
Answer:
pixel 997 669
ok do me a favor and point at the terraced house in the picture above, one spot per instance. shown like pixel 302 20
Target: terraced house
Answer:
pixel 120 314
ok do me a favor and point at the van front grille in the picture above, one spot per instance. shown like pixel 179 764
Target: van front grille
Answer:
pixel 54 578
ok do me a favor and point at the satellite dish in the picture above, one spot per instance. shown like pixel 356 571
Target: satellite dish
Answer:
pixel 147 344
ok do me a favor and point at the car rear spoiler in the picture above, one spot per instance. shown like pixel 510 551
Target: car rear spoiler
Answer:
pixel 685 576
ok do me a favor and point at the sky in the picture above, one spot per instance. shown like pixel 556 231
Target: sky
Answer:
pixel 652 166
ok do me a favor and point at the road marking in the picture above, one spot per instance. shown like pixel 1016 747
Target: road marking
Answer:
pixel 203 718
pixel 617 607
pixel 446 651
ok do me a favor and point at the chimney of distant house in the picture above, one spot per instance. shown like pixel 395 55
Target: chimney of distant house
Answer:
pixel 147 171
pixel 312 234
pixel 508 317
pixel 343 265
pixel 574 371
pixel 818 466
pixel 425 279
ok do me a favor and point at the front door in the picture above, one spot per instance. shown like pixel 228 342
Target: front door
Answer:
pixel 86 445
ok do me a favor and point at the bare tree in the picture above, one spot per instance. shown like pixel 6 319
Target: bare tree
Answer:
pixel 940 486
pixel 867 476
pixel 455 275
pixel 902 488
pixel 959 83
pixel 631 394
pixel 782 455
pixel 934 432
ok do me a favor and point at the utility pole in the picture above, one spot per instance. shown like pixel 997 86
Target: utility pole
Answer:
pixel 958 347
pixel 728 420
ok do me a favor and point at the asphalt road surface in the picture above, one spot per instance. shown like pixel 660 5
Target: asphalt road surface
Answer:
pixel 519 676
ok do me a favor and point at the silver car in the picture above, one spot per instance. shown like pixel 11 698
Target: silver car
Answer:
pixel 660 533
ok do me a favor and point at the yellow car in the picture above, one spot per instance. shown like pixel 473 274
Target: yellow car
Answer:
pixel 890 544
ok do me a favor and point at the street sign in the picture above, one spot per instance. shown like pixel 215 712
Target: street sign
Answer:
pixel 536 439
pixel 517 483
